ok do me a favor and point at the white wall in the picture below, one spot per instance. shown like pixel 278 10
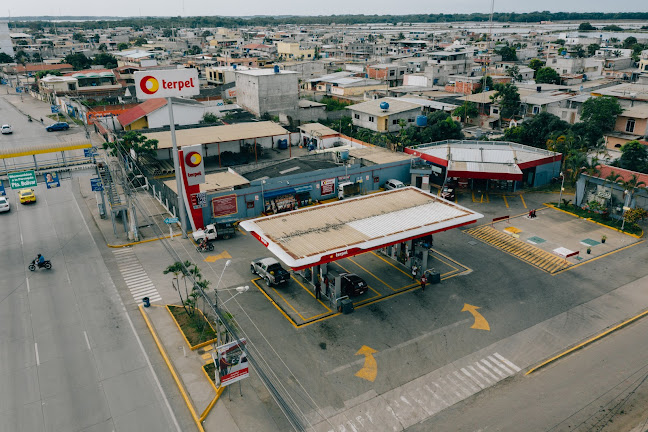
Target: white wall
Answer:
pixel 182 115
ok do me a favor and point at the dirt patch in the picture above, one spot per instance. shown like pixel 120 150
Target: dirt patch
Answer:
pixel 195 327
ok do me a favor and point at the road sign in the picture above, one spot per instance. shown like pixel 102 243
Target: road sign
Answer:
pixel 89 152
pixel 2 189
pixel 22 179
pixel 96 185
pixel 54 109
pixel 171 220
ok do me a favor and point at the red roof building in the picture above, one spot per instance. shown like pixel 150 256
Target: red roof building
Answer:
pixel 129 119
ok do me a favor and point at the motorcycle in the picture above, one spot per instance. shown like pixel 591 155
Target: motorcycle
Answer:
pixel 45 264
pixel 206 247
pixel 29 118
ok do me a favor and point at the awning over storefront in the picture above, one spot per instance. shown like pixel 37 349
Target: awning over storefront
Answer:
pixel 484 170
pixel 276 193
pixel 303 189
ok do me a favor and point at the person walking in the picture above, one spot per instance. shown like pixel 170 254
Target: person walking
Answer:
pixel 318 290
pixel 414 271
pixel 423 282
pixel 326 285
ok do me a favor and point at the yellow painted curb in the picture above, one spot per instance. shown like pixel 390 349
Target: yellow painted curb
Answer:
pixel 172 370
pixel 218 390
pixel 593 221
pixel 139 242
pixel 587 342
pixel 194 347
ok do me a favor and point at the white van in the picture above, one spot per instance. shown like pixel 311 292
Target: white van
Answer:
pixel 394 184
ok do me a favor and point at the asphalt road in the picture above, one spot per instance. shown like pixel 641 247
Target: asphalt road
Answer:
pixel 70 359
pixel 602 388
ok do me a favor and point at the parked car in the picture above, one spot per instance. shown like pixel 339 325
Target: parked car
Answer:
pixel 270 270
pixel 6 129
pixel 26 196
pixel 448 192
pixel 57 127
pixel 394 184
pixel 353 285
pixel 4 205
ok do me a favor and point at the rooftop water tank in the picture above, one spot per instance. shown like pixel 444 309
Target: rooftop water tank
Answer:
pixel 276 69
pixel 234 66
pixel 421 121
pixel 384 106
pixel 344 155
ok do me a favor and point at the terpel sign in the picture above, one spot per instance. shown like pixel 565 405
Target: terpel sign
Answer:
pixel 194 164
pixel 166 83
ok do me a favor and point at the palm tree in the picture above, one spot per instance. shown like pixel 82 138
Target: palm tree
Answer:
pixel 630 187
pixel 177 268
pixel 612 178
pixel 590 168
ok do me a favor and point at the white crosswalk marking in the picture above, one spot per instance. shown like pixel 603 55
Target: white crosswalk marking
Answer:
pixel 423 397
pixel 136 279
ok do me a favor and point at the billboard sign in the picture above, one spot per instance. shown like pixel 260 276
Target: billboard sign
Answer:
pixel 52 180
pixel 166 83
pixel 194 163
pixel 327 187
pixel 24 179
pixel 225 205
pixel 232 362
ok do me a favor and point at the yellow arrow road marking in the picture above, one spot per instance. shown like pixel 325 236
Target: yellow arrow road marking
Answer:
pixel 480 321
pixel 214 258
pixel 370 368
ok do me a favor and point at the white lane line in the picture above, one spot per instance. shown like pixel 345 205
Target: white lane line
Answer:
pixel 131 267
pixel 37 357
pixel 148 294
pixel 21 238
pixel 436 396
pixel 27 282
pixel 507 362
pixel 143 289
pixel 476 372
pixel 458 385
pixel 87 340
pixel 500 365
pixel 469 375
pixel 123 251
pixel 493 368
pixel 479 365
pixel 449 387
pixel 129 260
pixel 131 270
pixel 141 286
pixel 136 279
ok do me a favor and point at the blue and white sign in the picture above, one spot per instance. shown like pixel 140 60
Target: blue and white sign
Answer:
pixel 171 220
pixel 89 152
pixel 52 180
pixel 54 109
pixel 19 90
pixel 2 189
pixel 96 184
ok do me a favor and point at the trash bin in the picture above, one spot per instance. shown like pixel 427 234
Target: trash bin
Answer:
pixel 435 277
pixel 346 306
pixel 147 302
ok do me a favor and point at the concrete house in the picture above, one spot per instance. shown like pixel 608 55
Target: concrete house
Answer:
pixel 154 113
pixel 269 91
pixel 631 124
pixel 371 115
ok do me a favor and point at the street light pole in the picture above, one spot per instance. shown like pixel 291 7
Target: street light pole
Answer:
pixel 562 184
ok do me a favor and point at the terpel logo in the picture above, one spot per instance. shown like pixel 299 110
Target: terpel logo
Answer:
pixel 339 254
pixel 193 159
pixel 149 85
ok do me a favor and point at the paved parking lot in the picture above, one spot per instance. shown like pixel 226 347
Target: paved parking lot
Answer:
pixel 385 278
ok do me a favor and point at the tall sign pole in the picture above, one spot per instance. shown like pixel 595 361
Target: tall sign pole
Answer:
pixel 167 84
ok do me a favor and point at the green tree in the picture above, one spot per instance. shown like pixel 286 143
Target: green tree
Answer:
pixel 78 61
pixel 559 42
pixel 508 53
pixel 206 33
pixel 486 84
pixel 592 48
pixel 547 75
pixel 466 110
pixel 599 116
pixel 634 157
pixel 514 72
pixel 167 33
pixel 21 57
pixel 585 26
pixel 629 41
pixel 612 27
pixel 122 46
pixel 536 64
pixel 630 186
pixel 579 51
pixel 537 131
pixel 194 50
pixel 209 118
pixel 79 37
pixel 5 58
pixel 41 74
pixel 135 141
pixel 108 61
pixel 139 41
pixel 508 98
pixel 401 36
pixel 103 47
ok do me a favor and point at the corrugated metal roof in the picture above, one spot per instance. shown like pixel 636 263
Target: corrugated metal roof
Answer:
pixel 484 167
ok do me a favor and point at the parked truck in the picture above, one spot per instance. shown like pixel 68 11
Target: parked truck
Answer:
pixel 270 270
pixel 220 230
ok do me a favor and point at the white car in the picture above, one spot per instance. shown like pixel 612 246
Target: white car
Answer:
pixel 6 129
pixel 394 184
pixel 4 204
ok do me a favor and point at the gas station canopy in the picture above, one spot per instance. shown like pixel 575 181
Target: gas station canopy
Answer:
pixel 325 233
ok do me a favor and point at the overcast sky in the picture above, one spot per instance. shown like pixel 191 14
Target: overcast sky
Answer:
pixel 294 7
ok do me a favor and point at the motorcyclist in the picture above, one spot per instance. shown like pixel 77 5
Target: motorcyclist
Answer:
pixel 40 260
pixel 203 243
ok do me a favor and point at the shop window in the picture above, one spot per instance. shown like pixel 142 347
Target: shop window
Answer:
pixel 536 109
pixel 372 119
pixel 356 116
pixel 630 125
pixel 395 122
pixel 410 120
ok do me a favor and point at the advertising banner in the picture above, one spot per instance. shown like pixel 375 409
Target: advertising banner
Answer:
pixel 327 187
pixel 232 362
pixel 166 83
pixel 52 180
pixel 194 164
pixel 225 205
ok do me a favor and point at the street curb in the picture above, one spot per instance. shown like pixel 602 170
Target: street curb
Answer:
pixel 587 342
pixel 142 241
pixel 176 378
pixel 191 347
pixel 593 221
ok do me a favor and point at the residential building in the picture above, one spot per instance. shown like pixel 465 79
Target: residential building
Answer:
pixel 292 50
pixel 269 91
pixel 463 84
pixel 393 73
pixel 591 67
pixel 154 113
pixel 631 124
pixel 382 115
